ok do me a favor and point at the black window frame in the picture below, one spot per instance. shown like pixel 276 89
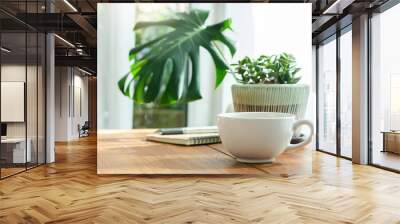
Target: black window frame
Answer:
pixel 30 29
pixel 333 37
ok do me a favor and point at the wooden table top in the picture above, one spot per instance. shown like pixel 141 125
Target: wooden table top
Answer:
pixel 127 152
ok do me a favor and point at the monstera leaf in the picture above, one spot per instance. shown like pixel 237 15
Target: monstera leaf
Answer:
pixel 168 70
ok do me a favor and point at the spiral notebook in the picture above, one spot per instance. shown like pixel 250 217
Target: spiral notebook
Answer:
pixel 186 139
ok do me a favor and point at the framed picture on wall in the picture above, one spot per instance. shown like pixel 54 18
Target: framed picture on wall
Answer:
pixel 12 101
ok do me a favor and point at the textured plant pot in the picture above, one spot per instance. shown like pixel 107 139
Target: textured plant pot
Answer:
pixel 284 98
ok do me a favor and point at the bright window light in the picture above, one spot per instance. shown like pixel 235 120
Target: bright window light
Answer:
pixel 70 5
pixel 5 50
pixel 338 6
pixel 84 71
pixel 64 40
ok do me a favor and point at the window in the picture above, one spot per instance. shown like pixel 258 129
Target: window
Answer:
pixel 346 93
pixel 385 89
pixel 327 96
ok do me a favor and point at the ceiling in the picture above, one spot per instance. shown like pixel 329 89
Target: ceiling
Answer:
pixel 75 22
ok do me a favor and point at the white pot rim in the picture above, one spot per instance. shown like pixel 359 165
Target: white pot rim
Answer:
pixel 270 85
pixel 257 115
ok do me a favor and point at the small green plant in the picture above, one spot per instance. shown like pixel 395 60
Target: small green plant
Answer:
pixel 275 69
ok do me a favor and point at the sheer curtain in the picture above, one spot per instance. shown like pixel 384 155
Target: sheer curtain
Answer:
pixel 115 38
pixel 258 28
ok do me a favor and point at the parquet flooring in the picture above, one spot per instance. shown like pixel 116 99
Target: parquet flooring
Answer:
pixel 70 191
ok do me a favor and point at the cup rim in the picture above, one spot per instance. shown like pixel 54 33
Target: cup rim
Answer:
pixel 234 115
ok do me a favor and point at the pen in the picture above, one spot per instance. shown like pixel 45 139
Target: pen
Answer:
pixel 188 130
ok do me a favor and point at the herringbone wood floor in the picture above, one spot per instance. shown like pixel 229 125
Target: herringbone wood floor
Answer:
pixel 69 191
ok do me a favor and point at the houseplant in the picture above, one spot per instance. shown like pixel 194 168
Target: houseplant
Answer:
pixel 165 70
pixel 269 84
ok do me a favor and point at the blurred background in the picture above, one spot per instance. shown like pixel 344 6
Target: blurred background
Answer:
pixel 257 29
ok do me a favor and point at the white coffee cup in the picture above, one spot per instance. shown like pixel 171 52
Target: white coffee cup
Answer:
pixel 258 137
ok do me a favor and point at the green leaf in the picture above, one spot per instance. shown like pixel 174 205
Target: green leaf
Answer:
pixel 125 85
pixel 156 81
pixel 296 70
pixel 160 73
pixel 220 66
pixel 193 91
pixel 136 67
pixel 134 51
pixel 228 42
pixel 171 94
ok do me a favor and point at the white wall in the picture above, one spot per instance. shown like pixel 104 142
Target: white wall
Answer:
pixel 61 103
pixel 34 125
pixel 80 105
pixel 16 73
pixel 71 94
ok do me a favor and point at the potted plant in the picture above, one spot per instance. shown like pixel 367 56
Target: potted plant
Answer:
pixel 269 84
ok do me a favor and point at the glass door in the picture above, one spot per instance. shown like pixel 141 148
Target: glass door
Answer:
pixel 326 96
pixel 32 98
pixel 14 144
pixel 334 96
pixel 22 93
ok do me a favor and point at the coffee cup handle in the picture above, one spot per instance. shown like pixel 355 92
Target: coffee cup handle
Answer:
pixel 298 124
